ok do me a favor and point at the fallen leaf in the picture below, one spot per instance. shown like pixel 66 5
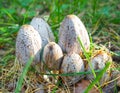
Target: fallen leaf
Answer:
pixel 81 86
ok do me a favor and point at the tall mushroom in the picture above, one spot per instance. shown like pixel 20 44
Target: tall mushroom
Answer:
pixel 28 43
pixel 70 29
pixel 43 29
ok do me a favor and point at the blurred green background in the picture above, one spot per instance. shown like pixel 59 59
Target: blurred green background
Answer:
pixel 101 18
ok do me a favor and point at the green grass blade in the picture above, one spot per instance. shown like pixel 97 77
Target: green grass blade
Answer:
pixel 87 56
pixel 10 16
pixel 25 70
pixel 79 40
pixel 71 74
pixel 88 59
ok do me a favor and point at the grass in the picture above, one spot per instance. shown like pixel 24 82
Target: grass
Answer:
pixel 25 70
pixel 101 19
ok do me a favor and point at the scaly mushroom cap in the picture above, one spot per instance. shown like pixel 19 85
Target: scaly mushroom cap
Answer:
pixel 28 43
pixel 52 55
pixel 98 62
pixel 44 30
pixel 70 29
pixel 72 63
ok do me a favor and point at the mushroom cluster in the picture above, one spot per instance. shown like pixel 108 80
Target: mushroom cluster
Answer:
pixel 31 39
pixel 37 40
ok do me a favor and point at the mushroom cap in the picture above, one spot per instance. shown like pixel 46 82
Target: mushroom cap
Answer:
pixel 28 43
pixel 43 29
pixel 98 62
pixel 72 63
pixel 70 29
pixel 52 55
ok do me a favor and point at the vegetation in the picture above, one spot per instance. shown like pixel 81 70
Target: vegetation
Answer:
pixel 101 18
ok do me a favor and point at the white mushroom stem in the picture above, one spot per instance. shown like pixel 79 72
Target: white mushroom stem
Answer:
pixel 28 43
pixel 43 29
pixel 70 29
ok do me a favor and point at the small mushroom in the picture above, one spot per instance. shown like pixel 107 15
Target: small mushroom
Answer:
pixel 72 63
pixel 98 62
pixel 52 55
pixel 28 43
pixel 44 30
pixel 70 29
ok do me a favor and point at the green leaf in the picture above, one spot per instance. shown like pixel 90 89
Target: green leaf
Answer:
pixel 25 3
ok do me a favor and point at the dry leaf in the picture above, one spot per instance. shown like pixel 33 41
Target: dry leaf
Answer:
pixel 81 86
